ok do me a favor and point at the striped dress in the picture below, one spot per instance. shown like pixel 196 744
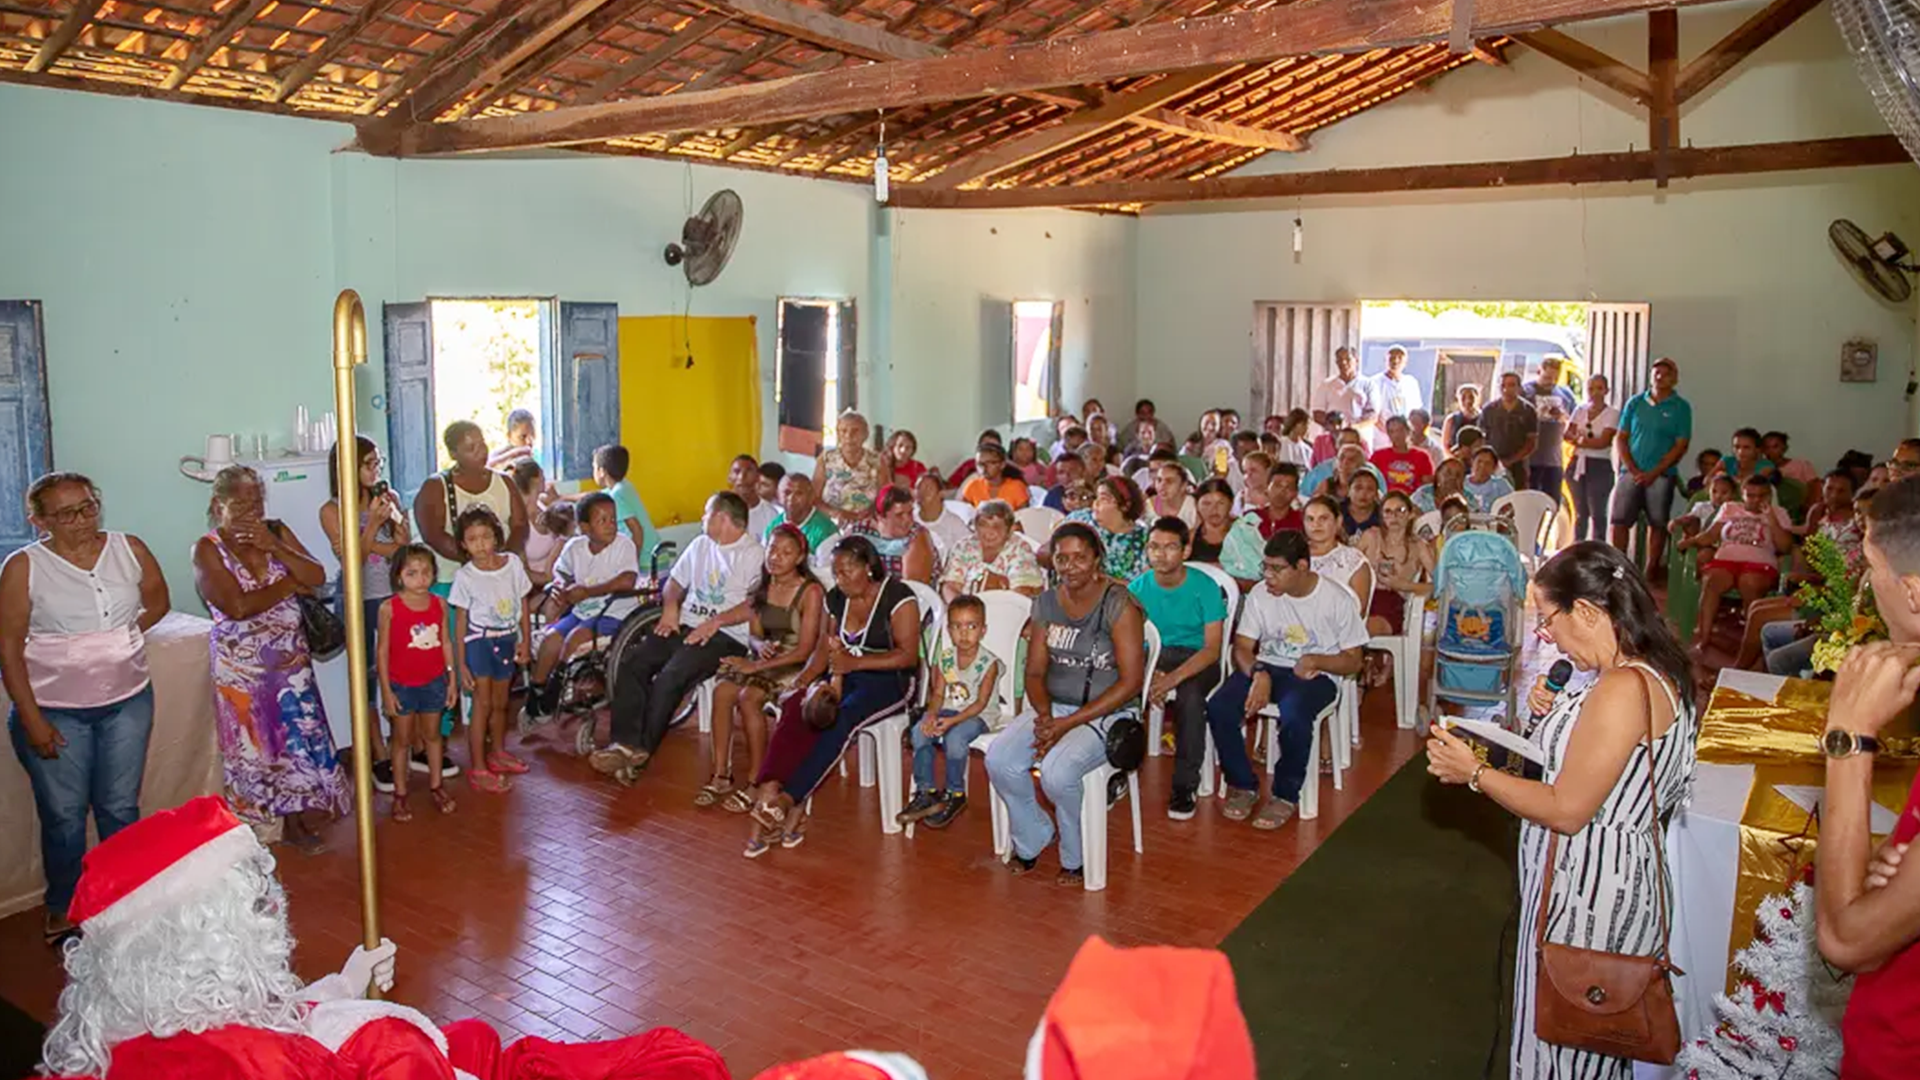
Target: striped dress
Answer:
pixel 1603 887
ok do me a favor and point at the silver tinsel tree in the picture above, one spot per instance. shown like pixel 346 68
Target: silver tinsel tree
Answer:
pixel 1782 1020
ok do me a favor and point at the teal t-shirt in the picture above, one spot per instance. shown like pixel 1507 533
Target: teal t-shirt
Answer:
pixel 1653 427
pixel 627 504
pixel 818 529
pixel 1182 613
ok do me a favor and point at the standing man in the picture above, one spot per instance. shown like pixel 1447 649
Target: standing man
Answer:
pixel 1347 394
pixel 1553 404
pixel 1396 393
pixel 1867 905
pixel 1655 427
pixel 1513 429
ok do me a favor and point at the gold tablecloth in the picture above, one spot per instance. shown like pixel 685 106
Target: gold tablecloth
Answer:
pixel 1779 738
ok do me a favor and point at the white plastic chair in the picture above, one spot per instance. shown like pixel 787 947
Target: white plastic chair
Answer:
pixel 1428 525
pixel 1007 615
pixel 1156 715
pixel 1404 649
pixel 961 509
pixel 1038 521
pixel 1535 521
pixel 879 738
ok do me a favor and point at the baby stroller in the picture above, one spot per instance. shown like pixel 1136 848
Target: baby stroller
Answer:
pixel 1480 592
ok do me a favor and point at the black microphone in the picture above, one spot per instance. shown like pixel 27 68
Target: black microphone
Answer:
pixel 1557 677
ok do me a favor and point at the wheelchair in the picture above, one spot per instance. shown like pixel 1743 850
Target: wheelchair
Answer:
pixel 582 684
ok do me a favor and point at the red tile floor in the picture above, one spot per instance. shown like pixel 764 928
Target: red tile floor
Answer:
pixel 577 909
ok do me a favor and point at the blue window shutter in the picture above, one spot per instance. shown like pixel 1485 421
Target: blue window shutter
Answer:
pixel 588 416
pixel 410 431
pixel 26 433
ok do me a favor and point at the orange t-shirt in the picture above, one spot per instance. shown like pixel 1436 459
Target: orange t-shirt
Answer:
pixel 1011 488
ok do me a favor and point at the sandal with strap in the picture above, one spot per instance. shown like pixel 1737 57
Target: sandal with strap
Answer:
pixel 491 782
pixel 770 815
pixel 713 791
pixel 442 801
pixel 737 801
pixel 401 811
pixel 502 762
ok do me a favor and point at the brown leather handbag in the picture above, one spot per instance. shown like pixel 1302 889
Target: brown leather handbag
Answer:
pixel 1602 1002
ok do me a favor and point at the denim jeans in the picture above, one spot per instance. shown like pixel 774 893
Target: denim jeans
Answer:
pixel 955 740
pixel 98 769
pixel 1787 651
pixel 1062 775
pixel 1186 712
pixel 1546 478
pixel 1301 702
pixel 1592 495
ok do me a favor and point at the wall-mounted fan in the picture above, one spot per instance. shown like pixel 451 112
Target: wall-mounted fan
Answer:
pixel 1881 265
pixel 707 238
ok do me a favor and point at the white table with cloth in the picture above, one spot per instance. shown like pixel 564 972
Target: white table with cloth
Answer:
pixel 1739 839
pixel 183 755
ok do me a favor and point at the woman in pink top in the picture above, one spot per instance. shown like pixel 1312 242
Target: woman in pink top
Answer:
pixel 74 611
pixel 1751 536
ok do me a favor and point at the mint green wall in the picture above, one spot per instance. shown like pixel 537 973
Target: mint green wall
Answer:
pixel 188 258
pixel 184 257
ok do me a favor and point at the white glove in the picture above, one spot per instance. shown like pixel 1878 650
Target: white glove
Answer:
pixel 370 968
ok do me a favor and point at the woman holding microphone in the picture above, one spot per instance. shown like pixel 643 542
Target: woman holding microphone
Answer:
pixel 1619 757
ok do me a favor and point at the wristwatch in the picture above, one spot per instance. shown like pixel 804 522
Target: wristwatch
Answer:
pixel 1473 782
pixel 1843 744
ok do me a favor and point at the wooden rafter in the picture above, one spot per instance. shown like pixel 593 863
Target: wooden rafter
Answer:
pixel 235 20
pixel 1313 26
pixel 75 21
pixel 639 65
pixel 553 53
pixel 1601 67
pixel 533 44
pixel 461 74
pixel 827 30
pixel 1738 45
pixel 1622 167
pixel 330 46
pixel 420 70
pixel 1663 111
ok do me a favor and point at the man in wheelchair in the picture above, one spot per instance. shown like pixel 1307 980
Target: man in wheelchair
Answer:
pixel 703 620
pixel 592 594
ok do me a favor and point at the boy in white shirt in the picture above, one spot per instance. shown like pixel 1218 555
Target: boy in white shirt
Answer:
pixel 583 602
pixel 1298 629
pixel 707 590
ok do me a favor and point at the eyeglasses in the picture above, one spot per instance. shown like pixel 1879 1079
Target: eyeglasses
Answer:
pixel 1543 624
pixel 1274 569
pixel 67 515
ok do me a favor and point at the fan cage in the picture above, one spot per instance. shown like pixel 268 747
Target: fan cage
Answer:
pixel 1885 42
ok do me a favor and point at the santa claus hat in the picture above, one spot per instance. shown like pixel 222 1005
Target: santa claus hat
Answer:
pixel 159 862
pixel 1143 1014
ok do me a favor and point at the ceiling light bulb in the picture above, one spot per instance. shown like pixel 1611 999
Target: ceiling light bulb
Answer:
pixel 880 177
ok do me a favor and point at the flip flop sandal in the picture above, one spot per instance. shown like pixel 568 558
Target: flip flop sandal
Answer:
pixel 401 811
pixel 442 801
pixel 1076 878
pixel 713 791
pixel 793 838
pixel 769 815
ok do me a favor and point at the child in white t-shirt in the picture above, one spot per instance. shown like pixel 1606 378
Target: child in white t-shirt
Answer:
pixel 585 599
pixel 491 622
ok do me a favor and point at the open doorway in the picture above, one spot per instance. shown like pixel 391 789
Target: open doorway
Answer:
pixel 1455 343
pixel 1036 358
pixel 489 358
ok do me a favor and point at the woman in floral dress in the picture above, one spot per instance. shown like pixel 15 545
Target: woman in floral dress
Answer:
pixel 849 476
pixel 279 755
pixel 1115 517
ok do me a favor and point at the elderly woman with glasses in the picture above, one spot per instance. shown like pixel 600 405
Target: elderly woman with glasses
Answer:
pixel 849 476
pixel 74 611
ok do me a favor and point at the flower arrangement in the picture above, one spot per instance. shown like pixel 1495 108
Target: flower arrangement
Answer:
pixel 1837 606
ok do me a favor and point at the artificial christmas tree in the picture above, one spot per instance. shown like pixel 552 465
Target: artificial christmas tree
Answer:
pixel 1782 1020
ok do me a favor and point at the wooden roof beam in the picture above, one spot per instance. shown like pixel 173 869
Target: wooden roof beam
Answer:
pixel 535 51
pixel 1312 26
pixel 1663 111
pixel 63 35
pixel 1601 67
pixel 555 51
pixel 1623 167
pixel 234 21
pixel 330 46
pixel 419 71
pixel 689 33
pixel 1763 27
pixel 460 75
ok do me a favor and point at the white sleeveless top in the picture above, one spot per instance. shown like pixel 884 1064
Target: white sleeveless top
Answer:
pixel 498 498
pixel 84 645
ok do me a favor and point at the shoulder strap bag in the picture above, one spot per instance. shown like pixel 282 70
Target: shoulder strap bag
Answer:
pixel 1609 1003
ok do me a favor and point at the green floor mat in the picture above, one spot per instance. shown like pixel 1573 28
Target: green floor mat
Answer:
pixel 1379 957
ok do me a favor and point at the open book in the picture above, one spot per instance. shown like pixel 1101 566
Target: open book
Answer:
pixel 1499 748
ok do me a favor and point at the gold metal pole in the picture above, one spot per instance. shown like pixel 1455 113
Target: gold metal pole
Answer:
pixel 349 351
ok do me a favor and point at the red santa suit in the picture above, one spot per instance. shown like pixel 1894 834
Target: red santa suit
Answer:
pixel 175 857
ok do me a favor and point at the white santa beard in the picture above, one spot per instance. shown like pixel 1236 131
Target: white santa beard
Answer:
pixel 220 959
